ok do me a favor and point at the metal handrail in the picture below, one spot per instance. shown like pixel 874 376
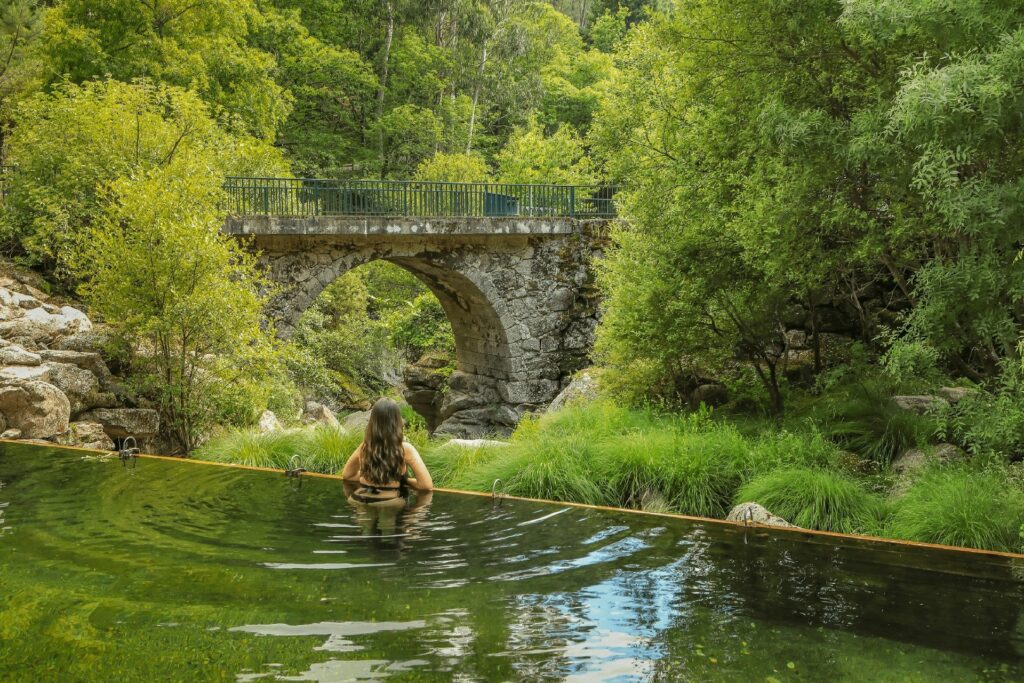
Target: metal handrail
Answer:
pixel 426 199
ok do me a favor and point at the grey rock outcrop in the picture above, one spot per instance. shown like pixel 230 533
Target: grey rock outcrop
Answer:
pixel 582 388
pixel 16 355
pixel 756 514
pixel 356 421
pixel 918 404
pixel 85 435
pixel 318 413
pixel 37 409
pixel 80 386
pixel 120 423
pixel 268 422
pixel 914 459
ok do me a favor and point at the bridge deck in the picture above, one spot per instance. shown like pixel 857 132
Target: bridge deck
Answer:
pixel 384 226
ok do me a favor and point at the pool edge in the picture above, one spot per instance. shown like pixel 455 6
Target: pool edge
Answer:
pixel 606 508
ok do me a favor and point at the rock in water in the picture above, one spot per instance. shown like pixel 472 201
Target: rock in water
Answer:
pixel 756 514
pixel 37 409
pixel 582 388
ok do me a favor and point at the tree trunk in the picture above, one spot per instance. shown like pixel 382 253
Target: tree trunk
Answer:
pixel 476 97
pixel 382 89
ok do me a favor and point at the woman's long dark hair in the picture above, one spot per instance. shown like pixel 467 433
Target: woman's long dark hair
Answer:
pixel 383 457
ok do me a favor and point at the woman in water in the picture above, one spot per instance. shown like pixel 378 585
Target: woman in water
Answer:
pixel 380 464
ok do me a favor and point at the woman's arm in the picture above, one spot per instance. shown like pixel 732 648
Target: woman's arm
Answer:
pixel 351 469
pixel 420 479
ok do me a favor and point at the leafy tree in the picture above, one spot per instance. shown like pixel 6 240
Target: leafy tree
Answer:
pixel 453 168
pixel 609 29
pixel 204 46
pixel 410 134
pixel 532 157
pixel 68 146
pixel 183 300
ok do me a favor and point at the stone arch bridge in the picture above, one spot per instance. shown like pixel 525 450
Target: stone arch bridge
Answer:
pixel 511 266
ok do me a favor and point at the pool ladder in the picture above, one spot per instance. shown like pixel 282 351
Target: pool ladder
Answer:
pixel 129 452
pixel 497 492
pixel 295 469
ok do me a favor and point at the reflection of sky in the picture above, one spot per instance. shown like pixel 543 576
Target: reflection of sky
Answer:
pixel 611 627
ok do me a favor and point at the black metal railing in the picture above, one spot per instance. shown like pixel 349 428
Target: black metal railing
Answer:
pixel 324 197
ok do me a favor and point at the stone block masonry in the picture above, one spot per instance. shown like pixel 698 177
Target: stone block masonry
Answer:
pixel 518 292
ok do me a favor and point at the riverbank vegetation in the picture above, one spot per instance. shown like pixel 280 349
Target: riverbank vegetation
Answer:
pixel 820 211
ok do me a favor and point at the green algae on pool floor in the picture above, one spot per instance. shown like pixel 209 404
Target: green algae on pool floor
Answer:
pixel 187 572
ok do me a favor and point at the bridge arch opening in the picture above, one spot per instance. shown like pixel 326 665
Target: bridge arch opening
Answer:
pixel 434 389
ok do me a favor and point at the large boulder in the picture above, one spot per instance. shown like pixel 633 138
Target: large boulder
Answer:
pixel 914 459
pixel 583 387
pixel 16 355
pixel 14 374
pixel 268 422
pixel 918 404
pixel 85 435
pixel 356 421
pixel 711 395
pixel 37 409
pixel 87 360
pixel 92 340
pixel 39 326
pixel 120 423
pixel 318 413
pixel 80 386
pixel 954 395
pixel 755 513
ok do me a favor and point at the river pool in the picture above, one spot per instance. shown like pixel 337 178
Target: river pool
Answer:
pixel 189 572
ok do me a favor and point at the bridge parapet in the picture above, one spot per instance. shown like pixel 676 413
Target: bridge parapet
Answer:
pixel 330 197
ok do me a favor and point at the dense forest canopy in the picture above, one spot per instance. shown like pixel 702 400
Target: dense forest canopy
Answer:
pixel 841 176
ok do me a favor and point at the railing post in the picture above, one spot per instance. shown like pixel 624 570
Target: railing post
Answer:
pixel 572 201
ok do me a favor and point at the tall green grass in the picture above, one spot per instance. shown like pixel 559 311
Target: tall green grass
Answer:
pixel 604 454
pixel 815 499
pixel 958 506
pixel 864 419
pixel 320 449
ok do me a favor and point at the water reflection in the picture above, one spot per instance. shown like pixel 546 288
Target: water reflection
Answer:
pixel 270 583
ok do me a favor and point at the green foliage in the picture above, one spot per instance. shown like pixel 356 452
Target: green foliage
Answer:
pixel 319 449
pixel 421 326
pixel 204 46
pixel 70 145
pixel 409 135
pixel 989 424
pixel 864 419
pixel 605 454
pixel 454 168
pixel 183 300
pixel 356 338
pixel 961 507
pixel 814 499
pixel 609 29
pixel 533 157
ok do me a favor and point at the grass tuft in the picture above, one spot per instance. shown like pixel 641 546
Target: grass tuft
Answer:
pixel 814 499
pixel 975 509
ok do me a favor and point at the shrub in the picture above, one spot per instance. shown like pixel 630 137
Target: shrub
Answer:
pixel 989 423
pixel 868 422
pixel 814 499
pixel 960 507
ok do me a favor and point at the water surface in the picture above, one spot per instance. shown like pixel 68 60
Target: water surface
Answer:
pixel 193 572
